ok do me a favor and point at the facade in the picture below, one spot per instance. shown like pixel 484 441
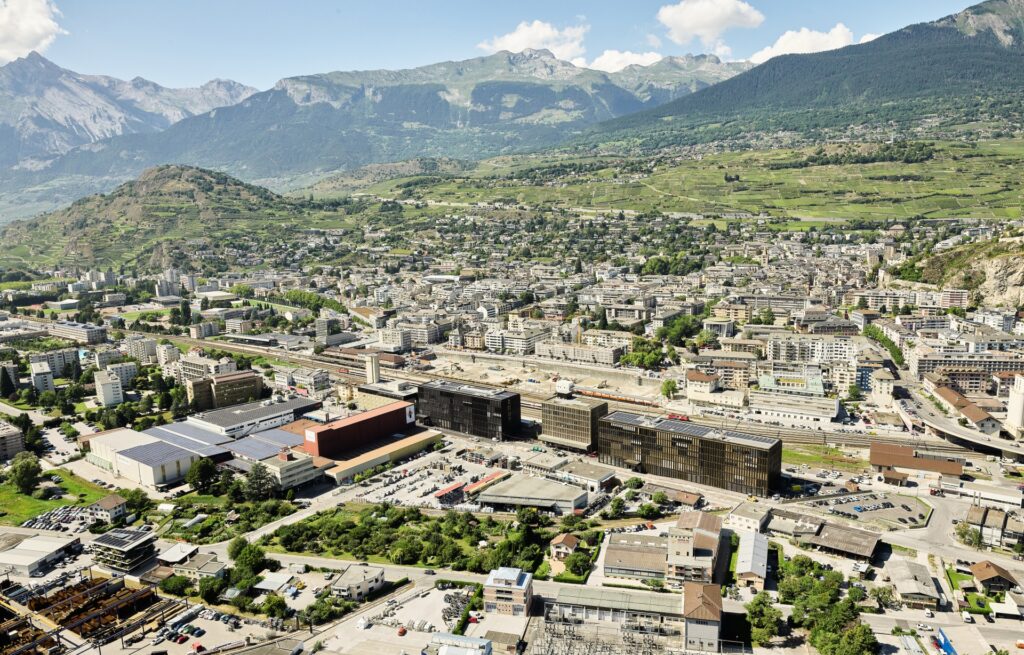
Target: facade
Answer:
pixel 477 411
pixel 358 581
pixel 59 360
pixel 199 566
pixel 241 420
pixel 109 391
pixel 195 367
pixel 702 616
pixel 571 422
pixel 508 591
pixel 11 441
pixel 125 372
pixel 578 353
pixel 123 549
pixel 225 389
pixel 42 377
pixel 635 557
pixel 109 508
pixel 86 333
pixel 337 438
pixel 729 460
pixel 693 546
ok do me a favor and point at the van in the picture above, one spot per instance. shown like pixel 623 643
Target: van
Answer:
pixel 967 617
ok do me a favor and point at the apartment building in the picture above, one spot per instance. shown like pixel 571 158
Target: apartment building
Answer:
pixel 508 591
pixel 924 358
pixel 109 391
pixel 693 546
pixel 42 377
pixel 86 333
pixel 60 361
pixel 578 353
pixel 12 441
pixel 125 372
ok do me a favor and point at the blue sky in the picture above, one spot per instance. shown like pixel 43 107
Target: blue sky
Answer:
pixel 186 42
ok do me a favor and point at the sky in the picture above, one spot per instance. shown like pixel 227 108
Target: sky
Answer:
pixel 181 43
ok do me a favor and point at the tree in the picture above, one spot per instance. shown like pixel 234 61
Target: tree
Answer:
pixel 616 507
pixel 138 502
pixel 763 617
pixel 648 511
pixel 236 546
pixel 176 585
pixel 259 483
pixel 669 388
pixel 968 535
pixel 275 606
pixel 210 589
pixel 24 472
pixel 202 475
pixel 882 595
pixel 578 563
pixel 660 498
pixel 250 561
pixel 854 393
pixel 634 483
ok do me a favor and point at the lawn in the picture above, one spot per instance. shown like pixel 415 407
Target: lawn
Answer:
pixel 822 457
pixel 18 508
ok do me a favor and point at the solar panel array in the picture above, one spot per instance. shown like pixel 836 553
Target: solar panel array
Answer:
pixel 689 429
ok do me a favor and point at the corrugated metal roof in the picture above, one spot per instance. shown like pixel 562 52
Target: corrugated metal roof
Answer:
pixel 279 437
pixel 155 454
pixel 253 448
pixel 647 602
pixel 185 443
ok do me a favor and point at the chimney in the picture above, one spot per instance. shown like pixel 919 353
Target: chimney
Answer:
pixel 284 455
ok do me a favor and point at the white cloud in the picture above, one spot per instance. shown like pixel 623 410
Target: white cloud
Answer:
pixel 805 40
pixel 653 40
pixel 611 61
pixel 27 25
pixel 707 20
pixel 565 43
pixel 868 37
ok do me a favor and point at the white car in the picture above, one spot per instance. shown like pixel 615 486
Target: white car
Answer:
pixel 924 627
pixel 928 613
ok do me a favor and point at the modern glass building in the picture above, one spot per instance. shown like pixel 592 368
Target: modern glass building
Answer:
pixel 477 411
pixel 735 461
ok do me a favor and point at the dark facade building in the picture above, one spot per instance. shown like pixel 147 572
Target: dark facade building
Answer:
pixel 735 461
pixel 478 411
pixel 571 422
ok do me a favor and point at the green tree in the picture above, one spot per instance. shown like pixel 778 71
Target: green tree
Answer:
pixel 763 617
pixel 275 606
pixel 250 561
pixel 648 511
pixel 669 388
pixel 236 546
pixel 634 483
pixel 138 501
pixel 259 483
pixel 176 585
pixel 24 472
pixel 854 393
pixel 202 475
pixel 882 595
pixel 616 507
pixel 210 589
pixel 578 563
pixel 660 498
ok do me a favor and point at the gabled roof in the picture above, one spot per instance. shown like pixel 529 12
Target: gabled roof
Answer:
pixel 702 601
pixel 565 539
pixel 986 570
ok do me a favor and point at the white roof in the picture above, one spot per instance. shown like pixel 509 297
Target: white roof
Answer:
pixel 753 554
pixel 178 553
pixel 121 439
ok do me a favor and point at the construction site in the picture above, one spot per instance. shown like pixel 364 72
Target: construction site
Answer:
pixel 49 619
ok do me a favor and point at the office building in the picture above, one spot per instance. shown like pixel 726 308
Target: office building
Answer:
pixel 730 460
pixel 109 391
pixel 123 549
pixel 571 422
pixel 477 411
pixel 224 390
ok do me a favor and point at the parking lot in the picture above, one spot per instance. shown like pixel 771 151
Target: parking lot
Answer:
pixel 890 509
pixel 210 630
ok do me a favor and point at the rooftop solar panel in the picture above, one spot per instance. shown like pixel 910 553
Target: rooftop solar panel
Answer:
pixel 689 429
pixel 156 453
pixel 253 448
pixel 279 437
pixel 191 445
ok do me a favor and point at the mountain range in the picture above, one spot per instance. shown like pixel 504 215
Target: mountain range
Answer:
pixel 314 124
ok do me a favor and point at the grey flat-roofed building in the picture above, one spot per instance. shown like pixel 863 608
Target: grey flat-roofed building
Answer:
pixel 242 420
pixel 253 449
pixel 526 491
pixel 636 556
pixel 194 432
pixel 736 461
pixel 282 438
pixel 593 605
pixel 588 476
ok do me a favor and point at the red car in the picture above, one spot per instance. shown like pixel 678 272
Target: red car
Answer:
pixel 181 639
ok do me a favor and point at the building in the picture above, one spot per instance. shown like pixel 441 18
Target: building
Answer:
pixel 748 517
pixel 123 549
pixel 240 420
pixel 358 581
pixel 141 348
pixel 693 546
pixel 42 377
pixel 477 411
pixel 60 360
pixel 904 459
pixel 109 391
pixel 752 560
pixel 730 460
pixel 563 545
pixel 33 556
pixel 109 509
pixel 913 584
pixel 224 390
pixel 571 422
pixel 1015 407
pixel 293 468
pixel 578 353
pixel 991 577
pixel 525 491
pixel 199 566
pixel 203 330
pixel 125 372
pixel 508 591
pixel 337 438
pixel 585 475
pixel 579 604
pixel 86 333
pixel 635 557
pixel 702 616
pixel 143 458
pixel 12 441
pixel 924 358
pixel 195 366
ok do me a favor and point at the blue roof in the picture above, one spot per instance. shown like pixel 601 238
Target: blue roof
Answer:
pixel 253 448
pixel 185 443
pixel 195 432
pixel 156 453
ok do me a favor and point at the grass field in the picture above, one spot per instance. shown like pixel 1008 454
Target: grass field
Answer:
pixel 822 457
pixel 962 180
pixel 18 508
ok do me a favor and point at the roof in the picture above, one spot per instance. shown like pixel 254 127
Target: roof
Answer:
pixel 468 390
pixel 693 375
pixel 588 471
pixel 690 429
pixel 752 556
pixel 110 502
pixel 539 489
pixel 178 553
pixel 987 570
pixel 253 449
pixel 911 578
pixel 634 602
pixel 697 520
pixel 636 552
pixel 123 538
pixel 274 581
pixel 565 539
pixel 889 455
pixel 156 454
pixel 702 601
pixel 355 419
pixel 509 576
pixel 231 416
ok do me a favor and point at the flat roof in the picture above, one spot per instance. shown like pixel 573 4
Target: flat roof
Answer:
pixel 581 402
pixel 588 471
pixel 155 454
pixel 468 389
pixel 231 416
pixel 524 486
pixel 638 602
pixel 689 429
pixel 355 419
pixel 123 538
pixel 253 449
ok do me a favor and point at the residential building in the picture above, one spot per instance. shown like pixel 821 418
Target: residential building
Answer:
pixel 194 366
pixel 913 584
pixel 109 392
pixel 12 441
pixel 123 549
pixel 563 545
pixel 199 566
pixel 991 577
pixel 508 591
pixel 693 546
pixel 357 582
pixel 578 353
pixel 125 372
pixel 86 333
pixel 42 378
pixel 109 509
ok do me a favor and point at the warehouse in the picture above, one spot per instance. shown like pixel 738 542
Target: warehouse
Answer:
pixel 147 459
pixel 392 451
pixel 524 491
pixel 241 420
pixel 34 555
pixel 337 438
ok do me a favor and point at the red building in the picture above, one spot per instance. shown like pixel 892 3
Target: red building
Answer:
pixel 340 438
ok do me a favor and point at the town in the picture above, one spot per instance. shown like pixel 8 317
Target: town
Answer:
pixel 521 431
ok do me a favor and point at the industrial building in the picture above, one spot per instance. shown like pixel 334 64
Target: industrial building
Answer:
pixel 123 549
pixel 525 491
pixel 571 422
pixel 338 438
pixel 726 459
pixel 142 458
pixel 33 556
pixel 477 411
pixel 241 420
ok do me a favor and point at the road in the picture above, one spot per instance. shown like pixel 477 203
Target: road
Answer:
pixel 943 424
